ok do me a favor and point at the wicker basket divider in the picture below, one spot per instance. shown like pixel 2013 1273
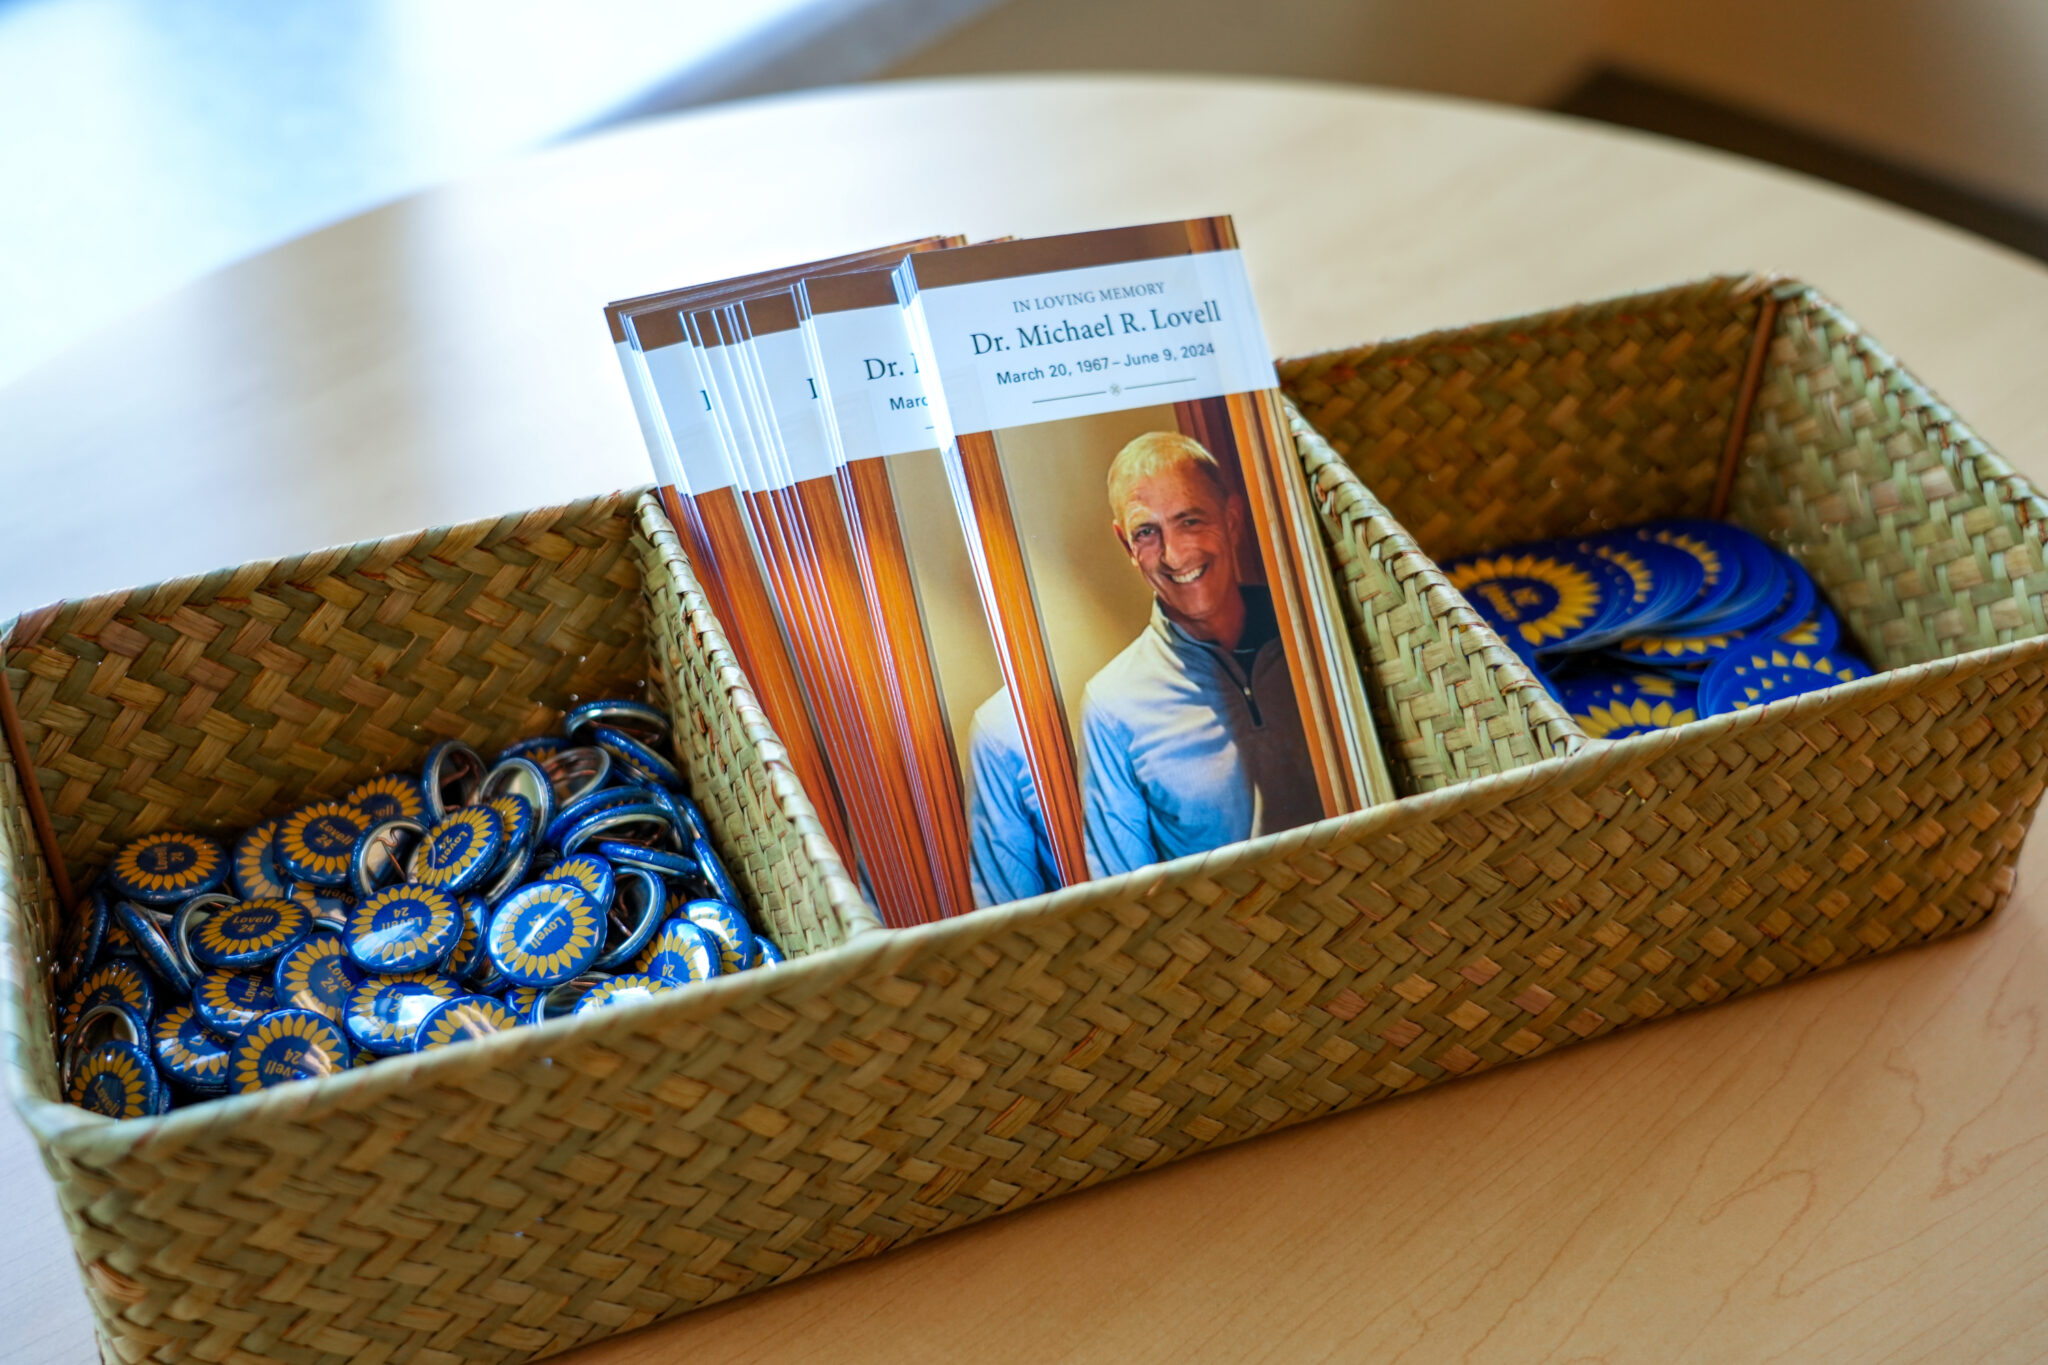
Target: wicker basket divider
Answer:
pixel 798 889
pixel 1450 699
pixel 550 1186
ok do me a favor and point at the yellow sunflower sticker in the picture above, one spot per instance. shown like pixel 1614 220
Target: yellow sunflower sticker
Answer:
pixel 1620 719
pixel 116 1080
pixel 546 934
pixel 172 866
pixel 1540 600
pixel 289 1045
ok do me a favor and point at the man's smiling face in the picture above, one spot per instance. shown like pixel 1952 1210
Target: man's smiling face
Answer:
pixel 1182 532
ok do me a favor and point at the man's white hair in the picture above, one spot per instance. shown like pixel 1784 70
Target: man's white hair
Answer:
pixel 1154 453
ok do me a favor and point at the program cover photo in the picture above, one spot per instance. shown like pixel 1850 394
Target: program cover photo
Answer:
pixel 1106 404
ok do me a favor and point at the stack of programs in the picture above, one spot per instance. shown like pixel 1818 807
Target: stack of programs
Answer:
pixel 1010 542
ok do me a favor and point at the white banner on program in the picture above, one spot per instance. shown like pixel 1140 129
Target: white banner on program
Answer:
pixel 1073 343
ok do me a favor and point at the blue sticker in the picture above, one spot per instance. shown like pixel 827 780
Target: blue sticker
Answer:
pixel 404 929
pixel 190 1053
pixel 116 1079
pixel 523 1000
pixel 462 1019
pixel 163 869
pixel 250 934
pixel 1536 601
pixel 121 982
pixel 82 945
pixel 384 1013
pixel 285 1046
pixel 1662 581
pixel 1772 671
pixel 1820 632
pixel 228 1002
pixel 314 843
pixel 1744 583
pixel 317 974
pixel 389 796
pixel 1616 706
pixel 590 872
pixel 1720 574
pixel 735 936
pixel 515 819
pixel 546 933
pixel 680 953
pixel 460 852
pixel 152 941
pixel 255 871
pixel 469 942
pixel 1697 650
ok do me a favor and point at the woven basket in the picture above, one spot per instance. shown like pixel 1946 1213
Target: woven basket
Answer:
pixel 518 1196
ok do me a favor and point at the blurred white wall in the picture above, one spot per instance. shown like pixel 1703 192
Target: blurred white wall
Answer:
pixel 144 142
pixel 1958 89
pixel 1512 50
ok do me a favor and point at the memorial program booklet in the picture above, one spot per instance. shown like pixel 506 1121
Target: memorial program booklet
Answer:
pixel 796 498
pixel 1112 431
pixel 1011 541
pixel 702 493
pixel 986 825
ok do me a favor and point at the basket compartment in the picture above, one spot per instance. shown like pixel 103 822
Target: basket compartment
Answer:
pixel 216 701
pixel 1925 542
pixel 548 1187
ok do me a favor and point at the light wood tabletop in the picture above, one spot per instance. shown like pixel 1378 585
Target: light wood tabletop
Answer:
pixel 1855 1167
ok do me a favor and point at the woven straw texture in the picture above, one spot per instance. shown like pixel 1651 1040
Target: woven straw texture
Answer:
pixel 1450 700
pixel 540 1189
pixel 215 701
pixel 1925 540
pixel 1597 415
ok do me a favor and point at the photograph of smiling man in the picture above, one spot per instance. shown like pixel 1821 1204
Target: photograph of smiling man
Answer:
pixel 1113 441
pixel 1191 737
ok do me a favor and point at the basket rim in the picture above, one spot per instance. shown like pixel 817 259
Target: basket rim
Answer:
pixel 73 1134
pixel 28 626
pixel 1751 284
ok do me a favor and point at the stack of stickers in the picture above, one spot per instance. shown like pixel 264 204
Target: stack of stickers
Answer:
pixel 1651 626
pixel 571 873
